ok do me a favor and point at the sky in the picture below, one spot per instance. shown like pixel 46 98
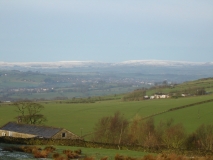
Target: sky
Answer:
pixel 106 30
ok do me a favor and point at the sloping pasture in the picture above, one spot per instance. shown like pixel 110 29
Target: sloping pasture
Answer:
pixel 82 117
pixel 190 117
pixel 206 83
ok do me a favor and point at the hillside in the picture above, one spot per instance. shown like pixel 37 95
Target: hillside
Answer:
pixel 16 85
pixel 81 117
pixel 191 88
pixel 67 83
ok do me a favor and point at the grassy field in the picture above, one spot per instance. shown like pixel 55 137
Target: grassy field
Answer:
pixel 191 117
pixel 82 117
pixel 99 153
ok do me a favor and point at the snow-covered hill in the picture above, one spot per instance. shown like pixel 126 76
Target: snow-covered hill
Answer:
pixel 79 64
pixel 61 64
pixel 163 63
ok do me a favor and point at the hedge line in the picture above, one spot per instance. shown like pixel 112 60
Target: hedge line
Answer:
pixel 88 144
pixel 190 105
pixel 70 142
pixel 180 107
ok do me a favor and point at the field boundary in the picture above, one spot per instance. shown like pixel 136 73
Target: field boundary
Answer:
pixel 169 110
pixel 73 142
pixel 177 108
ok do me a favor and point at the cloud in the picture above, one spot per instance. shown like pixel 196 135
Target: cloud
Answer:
pixel 192 9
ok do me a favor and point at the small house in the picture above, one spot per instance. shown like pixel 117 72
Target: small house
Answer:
pixel 146 97
pixel 183 95
pixel 163 96
pixel 152 97
pixel 19 130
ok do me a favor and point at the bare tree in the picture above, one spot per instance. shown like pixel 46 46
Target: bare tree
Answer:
pixel 204 136
pixel 111 129
pixel 143 132
pixel 134 130
pixel 29 113
pixel 174 136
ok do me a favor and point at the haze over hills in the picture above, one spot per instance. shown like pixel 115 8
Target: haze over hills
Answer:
pixel 91 78
pixel 71 64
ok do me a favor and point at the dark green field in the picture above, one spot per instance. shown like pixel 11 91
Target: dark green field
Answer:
pixel 81 118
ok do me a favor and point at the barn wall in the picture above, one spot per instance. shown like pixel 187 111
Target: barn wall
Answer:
pixel 66 135
pixel 15 134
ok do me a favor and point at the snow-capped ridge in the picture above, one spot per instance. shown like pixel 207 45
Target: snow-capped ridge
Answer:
pixel 71 64
pixel 160 63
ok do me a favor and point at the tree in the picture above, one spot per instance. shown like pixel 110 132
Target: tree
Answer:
pixel 111 129
pixel 29 113
pixel 148 134
pixel 204 135
pixel 143 132
pixel 134 130
pixel 174 136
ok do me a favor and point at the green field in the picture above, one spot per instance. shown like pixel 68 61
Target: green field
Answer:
pixel 191 117
pixel 82 117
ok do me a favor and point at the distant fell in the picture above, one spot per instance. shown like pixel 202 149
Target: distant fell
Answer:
pixel 95 64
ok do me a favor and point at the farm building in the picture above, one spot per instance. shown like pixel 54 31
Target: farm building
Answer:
pixel 18 130
pixel 159 96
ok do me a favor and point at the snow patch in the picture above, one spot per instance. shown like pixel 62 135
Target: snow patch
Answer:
pixel 71 64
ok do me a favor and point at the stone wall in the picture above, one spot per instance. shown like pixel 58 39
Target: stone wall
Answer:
pixel 15 134
pixel 65 134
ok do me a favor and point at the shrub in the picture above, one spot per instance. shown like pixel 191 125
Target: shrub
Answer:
pixel 56 155
pixel 50 149
pixel 119 157
pixel 27 149
pixel 148 157
pixel 30 149
pixel 60 157
pixel 89 158
pixel 67 151
pixel 78 151
pixel 41 154
pixel 104 158
pixel 71 154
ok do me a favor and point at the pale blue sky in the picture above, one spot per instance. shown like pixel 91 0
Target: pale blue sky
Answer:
pixel 106 30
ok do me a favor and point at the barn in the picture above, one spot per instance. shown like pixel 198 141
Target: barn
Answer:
pixel 18 130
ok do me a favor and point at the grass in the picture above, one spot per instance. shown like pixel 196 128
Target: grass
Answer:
pixel 15 79
pixel 67 152
pixel 90 152
pixel 191 117
pixel 100 152
pixel 201 83
pixel 81 118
